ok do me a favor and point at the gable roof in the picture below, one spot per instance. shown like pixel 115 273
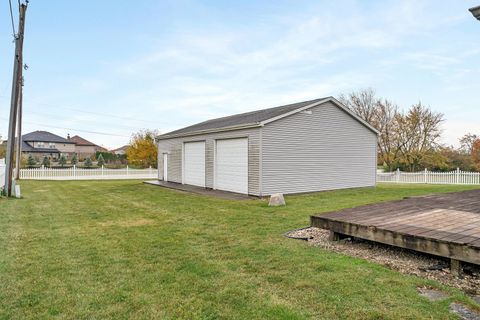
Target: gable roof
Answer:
pixel 256 119
pixel 44 136
pixel 122 148
pixel 79 141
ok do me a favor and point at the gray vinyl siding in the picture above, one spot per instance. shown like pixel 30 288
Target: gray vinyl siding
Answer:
pixel 174 147
pixel 325 150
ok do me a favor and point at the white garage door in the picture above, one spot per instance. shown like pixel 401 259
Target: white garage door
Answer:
pixel 194 163
pixel 232 165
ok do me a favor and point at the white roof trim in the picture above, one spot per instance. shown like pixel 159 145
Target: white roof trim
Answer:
pixel 195 133
pixel 329 99
pixel 264 122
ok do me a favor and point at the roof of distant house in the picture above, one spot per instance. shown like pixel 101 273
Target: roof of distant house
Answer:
pixel 44 136
pixel 79 141
pixel 121 148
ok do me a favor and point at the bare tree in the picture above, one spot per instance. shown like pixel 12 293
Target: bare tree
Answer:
pixel 386 122
pixel 362 102
pixel 467 141
pixel 405 138
pixel 382 115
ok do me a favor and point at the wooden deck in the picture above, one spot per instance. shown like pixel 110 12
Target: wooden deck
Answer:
pixel 446 225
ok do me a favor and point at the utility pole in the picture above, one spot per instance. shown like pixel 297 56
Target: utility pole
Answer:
pixel 17 66
pixel 18 147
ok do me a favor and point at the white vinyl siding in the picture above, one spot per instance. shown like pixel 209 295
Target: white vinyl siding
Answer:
pixel 194 163
pixel 231 165
pixel 323 150
pixel 174 147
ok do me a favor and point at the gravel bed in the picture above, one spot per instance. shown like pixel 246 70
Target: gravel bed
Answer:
pixel 402 260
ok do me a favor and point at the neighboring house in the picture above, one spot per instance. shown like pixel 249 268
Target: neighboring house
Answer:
pixel 43 143
pixel 85 148
pixel 303 147
pixel 120 151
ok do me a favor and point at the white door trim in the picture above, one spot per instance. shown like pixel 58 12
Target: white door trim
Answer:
pixel 165 167
pixel 214 164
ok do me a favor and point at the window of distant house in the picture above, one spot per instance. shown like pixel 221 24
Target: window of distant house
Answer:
pixel 51 145
pixel 40 144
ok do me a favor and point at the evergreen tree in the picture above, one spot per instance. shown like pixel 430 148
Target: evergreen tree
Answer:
pixel 31 162
pixel 46 162
pixel 62 160
pixel 74 159
pixel 100 160
pixel 88 162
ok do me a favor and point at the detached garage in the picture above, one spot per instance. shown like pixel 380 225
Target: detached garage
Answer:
pixel 303 147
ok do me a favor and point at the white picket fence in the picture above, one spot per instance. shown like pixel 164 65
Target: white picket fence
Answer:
pixel 429 177
pixel 75 173
pixel 2 173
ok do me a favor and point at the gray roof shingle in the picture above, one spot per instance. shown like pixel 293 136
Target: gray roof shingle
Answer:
pixel 44 136
pixel 246 118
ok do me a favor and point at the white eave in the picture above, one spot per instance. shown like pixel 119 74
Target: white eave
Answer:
pixel 213 130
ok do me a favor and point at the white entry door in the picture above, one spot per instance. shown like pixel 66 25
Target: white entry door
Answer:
pixel 194 163
pixel 165 167
pixel 231 165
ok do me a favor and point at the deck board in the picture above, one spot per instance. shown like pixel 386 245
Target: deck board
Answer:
pixel 442 224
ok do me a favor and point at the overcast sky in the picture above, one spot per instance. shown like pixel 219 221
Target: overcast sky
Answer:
pixel 118 66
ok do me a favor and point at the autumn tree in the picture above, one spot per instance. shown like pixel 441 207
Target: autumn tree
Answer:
pixel 142 150
pixel 418 133
pixel 457 158
pixel 476 154
pixel 406 139
pixel 3 149
pixel 467 141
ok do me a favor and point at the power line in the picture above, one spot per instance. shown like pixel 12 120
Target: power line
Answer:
pixel 11 16
pixel 95 113
pixel 75 130
pixel 110 124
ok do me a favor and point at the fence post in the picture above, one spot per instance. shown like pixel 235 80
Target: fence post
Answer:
pixel 42 172
pixel 457 176
pixel 127 169
pixel 74 172
pixel 102 171
pixel 398 175
pixel 425 175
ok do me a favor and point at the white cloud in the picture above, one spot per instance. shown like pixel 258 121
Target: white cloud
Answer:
pixel 194 73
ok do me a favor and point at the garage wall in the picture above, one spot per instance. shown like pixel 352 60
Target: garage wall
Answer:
pixel 325 150
pixel 174 147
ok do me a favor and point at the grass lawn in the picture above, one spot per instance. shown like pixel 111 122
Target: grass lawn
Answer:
pixel 125 250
